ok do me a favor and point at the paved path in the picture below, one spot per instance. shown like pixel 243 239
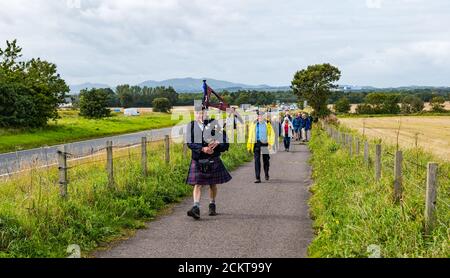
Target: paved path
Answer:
pixel 255 220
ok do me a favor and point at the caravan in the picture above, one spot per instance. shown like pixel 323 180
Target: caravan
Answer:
pixel 131 112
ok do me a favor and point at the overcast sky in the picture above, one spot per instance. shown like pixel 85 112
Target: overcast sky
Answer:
pixel 374 42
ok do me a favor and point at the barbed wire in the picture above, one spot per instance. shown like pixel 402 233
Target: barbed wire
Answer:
pixel 88 163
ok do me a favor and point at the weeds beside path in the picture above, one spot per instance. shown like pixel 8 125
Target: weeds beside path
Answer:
pixel 352 211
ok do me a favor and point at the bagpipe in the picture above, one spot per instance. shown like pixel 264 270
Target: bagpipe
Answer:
pixel 208 92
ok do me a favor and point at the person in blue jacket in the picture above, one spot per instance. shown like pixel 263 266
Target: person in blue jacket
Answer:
pixel 297 123
pixel 307 126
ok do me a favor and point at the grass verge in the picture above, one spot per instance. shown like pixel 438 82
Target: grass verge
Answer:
pixel 351 211
pixel 36 222
pixel 71 128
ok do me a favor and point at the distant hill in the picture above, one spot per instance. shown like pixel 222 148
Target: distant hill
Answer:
pixel 75 89
pixel 189 85
pixel 192 85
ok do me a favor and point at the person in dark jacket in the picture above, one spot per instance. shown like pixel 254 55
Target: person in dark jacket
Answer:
pixel 307 125
pixel 297 123
pixel 207 141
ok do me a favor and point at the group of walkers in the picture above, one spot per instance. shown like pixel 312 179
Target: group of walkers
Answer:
pixel 207 141
pixel 298 129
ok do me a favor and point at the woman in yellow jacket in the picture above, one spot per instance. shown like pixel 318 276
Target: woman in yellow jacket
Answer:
pixel 261 139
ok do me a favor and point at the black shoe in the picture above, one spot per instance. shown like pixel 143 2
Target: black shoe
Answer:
pixel 212 209
pixel 194 213
pixel 258 181
pixel 267 178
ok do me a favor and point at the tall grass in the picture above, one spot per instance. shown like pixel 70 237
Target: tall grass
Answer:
pixel 351 211
pixel 36 222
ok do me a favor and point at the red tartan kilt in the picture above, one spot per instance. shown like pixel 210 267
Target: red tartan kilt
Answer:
pixel 218 175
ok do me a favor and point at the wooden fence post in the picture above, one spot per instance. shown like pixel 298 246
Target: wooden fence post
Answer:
pixel 398 182
pixel 430 200
pixel 350 145
pixel 62 166
pixel 358 147
pixel 378 162
pixel 144 156
pixel 185 147
pixel 167 147
pixel 366 153
pixel 110 164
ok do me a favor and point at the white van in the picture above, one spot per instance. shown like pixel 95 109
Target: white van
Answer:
pixel 131 112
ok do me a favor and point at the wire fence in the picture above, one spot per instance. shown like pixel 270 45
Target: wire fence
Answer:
pixel 409 178
pixel 46 156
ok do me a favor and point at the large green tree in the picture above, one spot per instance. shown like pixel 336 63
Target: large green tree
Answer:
pixel 41 89
pixel 315 84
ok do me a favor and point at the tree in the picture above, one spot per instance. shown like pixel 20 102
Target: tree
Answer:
pixel 364 108
pixel 124 94
pixel 390 104
pixel 161 105
pixel 379 103
pixel 41 89
pixel 342 105
pixel 94 103
pixel 412 104
pixel 437 104
pixel 169 93
pixel 315 85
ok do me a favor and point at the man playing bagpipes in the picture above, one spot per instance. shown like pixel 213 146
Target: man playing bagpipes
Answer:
pixel 207 141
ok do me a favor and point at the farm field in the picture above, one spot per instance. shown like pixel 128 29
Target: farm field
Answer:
pixel 72 128
pixel 433 133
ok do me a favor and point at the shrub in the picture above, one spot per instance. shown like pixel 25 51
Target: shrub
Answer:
pixel 161 105
pixel 331 119
pixel 412 104
pixel 94 103
pixel 342 105
pixel 437 104
pixel 378 103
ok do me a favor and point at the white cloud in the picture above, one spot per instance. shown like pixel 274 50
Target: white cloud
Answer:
pixel 374 4
pixel 252 41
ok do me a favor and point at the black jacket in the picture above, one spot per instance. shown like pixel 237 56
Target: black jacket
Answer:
pixel 196 139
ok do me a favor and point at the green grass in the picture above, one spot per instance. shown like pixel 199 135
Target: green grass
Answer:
pixel 36 222
pixel 351 211
pixel 72 128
